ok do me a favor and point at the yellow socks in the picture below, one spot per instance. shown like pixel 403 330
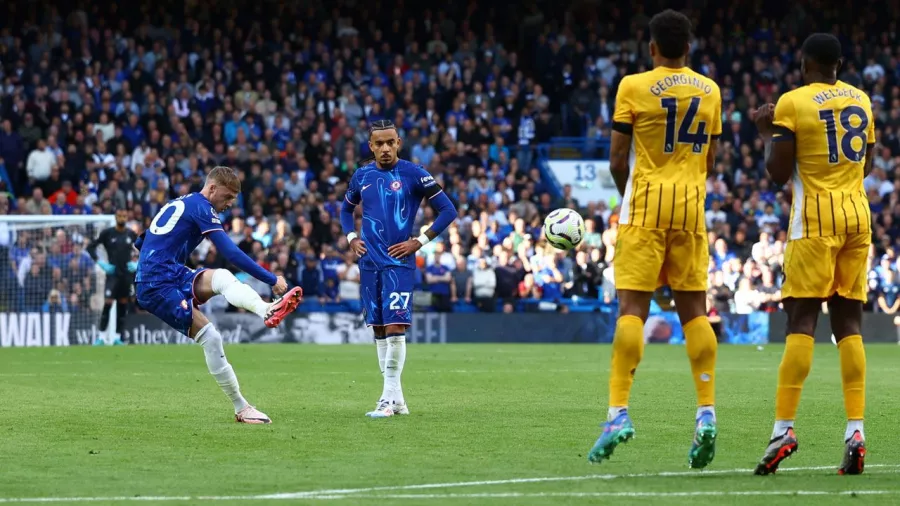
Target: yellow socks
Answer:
pixel 700 341
pixel 628 348
pixel 853 376
pixel 794 368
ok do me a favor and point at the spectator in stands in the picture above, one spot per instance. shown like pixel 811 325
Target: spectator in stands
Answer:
pixel 889 293
pixel 40 163
pixel 348 273
pixel 312 279
pixel 746 298
pixel 439 278
pixel 586 277
pixel 462 286
pixel 484 285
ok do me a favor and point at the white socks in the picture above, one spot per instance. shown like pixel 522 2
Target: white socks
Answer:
pixel 211 341
pixel 394 358
pixel 614 412
pixel 381 347
pixel 781 426
pixel 238 294
pixel 853 426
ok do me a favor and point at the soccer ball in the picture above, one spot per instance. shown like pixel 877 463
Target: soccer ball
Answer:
pixel 564 229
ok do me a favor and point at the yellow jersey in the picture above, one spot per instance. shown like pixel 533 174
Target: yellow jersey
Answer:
pixel 672 114
pixel 831 125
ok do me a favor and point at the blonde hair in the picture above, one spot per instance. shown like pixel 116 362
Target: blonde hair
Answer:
pixel 225 176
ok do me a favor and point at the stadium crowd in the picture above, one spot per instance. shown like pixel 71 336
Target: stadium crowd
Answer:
pixel 106 108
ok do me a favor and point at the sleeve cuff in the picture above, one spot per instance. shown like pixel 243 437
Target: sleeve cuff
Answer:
pixel 623 128
pixel 782 134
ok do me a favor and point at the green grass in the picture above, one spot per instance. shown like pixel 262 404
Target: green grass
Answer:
pixel 150 421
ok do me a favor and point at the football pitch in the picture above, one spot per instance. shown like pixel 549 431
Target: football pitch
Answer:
pixel 490 424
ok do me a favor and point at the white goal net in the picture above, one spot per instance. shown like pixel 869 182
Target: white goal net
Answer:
pixel 51 290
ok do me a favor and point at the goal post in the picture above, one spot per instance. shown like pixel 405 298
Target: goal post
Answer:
pixel 51 291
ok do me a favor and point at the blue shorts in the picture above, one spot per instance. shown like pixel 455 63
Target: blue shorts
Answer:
pixel 387 296
pixel 172 301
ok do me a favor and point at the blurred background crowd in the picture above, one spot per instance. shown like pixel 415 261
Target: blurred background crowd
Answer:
pixel 106 106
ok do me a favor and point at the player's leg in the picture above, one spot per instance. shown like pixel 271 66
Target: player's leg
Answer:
pixel 124 292
pixel 687 260
pixel 109 299
pixel 809 266
pixel 846 309
pixel 370 298
pixel 395 304
pixel 209 338
pixel 638 260
pixel 212 282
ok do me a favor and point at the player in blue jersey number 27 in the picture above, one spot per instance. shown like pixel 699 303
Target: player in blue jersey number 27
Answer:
pixel 390 191
pixel 173 292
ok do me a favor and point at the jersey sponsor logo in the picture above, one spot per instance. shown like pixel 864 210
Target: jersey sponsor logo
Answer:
pixel 215 216
pixel 396 185
pixel 427 181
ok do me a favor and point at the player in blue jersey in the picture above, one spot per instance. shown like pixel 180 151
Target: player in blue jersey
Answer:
pixel 173 292
pixel 390 191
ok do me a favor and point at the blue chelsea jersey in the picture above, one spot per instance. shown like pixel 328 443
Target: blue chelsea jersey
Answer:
pixel 390 199
pixel 174 233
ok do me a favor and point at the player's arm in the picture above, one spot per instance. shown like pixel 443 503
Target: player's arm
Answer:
pixel 870 144
pixel 139 242
pixel 348 222
pixel 233 254
pixel 446 212
pixel 777 130
pixel 211 227
pixel 440 202
pixel 622 129
pixel 92 246
pixel 348 206
pixel 714 134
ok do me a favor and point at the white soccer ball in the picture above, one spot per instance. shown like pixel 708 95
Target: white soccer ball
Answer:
pixel 564 229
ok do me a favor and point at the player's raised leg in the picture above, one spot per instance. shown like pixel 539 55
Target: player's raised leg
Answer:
pixel 222 282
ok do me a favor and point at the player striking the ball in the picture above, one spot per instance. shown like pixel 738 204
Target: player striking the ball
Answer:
pixel 821 139
pixel 669 120
pixel 173 292
pixel 390 191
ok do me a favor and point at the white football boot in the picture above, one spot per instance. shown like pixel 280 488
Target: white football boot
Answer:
pixel 401 409
pixel 251 415
pixel 384 409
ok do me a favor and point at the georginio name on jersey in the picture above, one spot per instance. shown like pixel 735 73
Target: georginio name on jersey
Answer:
pixel 680 80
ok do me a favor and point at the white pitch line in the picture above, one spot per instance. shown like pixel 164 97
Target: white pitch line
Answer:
pixel 356 493
pixel 698 493
pixel 516 481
